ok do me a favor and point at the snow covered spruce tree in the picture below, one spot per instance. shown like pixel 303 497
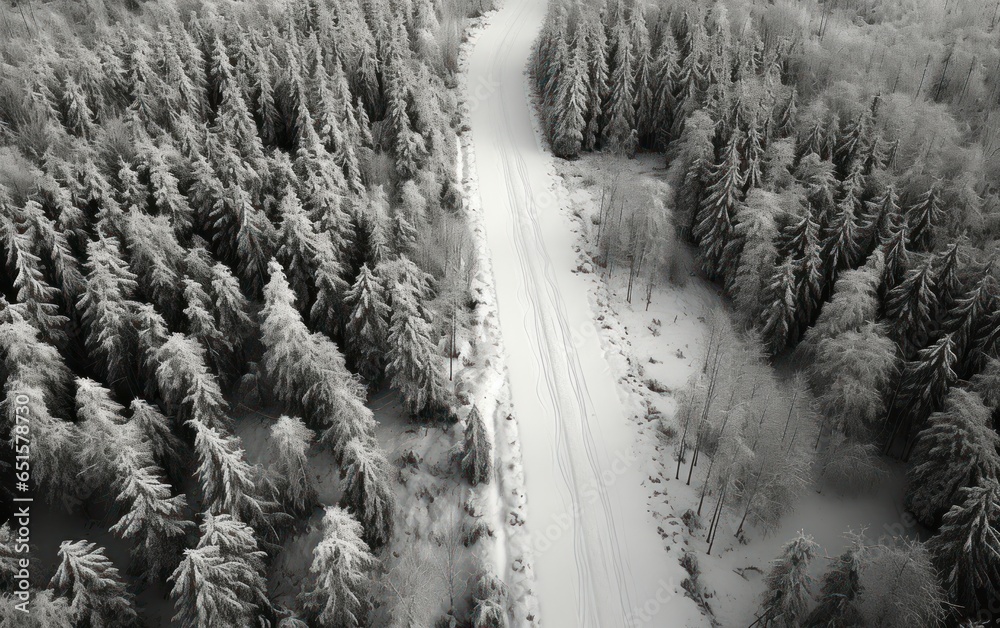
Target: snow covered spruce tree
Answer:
pixel 221 582
pixel 413 364
pixel 477 450
pixel 229 483
pixel 368 325
pixel 959 448
pixel 967 547
pixel 341 573
pixel 567 133
pixel 96 593
pixel 288 448
pixel 306 370
pixel 714 221
pixel 367 492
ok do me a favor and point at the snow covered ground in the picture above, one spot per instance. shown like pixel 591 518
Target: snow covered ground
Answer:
pixel 666 343
pixel 597 559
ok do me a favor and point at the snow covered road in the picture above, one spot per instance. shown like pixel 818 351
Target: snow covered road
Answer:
pixel 598 560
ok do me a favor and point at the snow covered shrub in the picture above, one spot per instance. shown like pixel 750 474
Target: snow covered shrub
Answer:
pixel 471 533
pixel 490 597
pixel 850 466
pixel 787 597
pixel 899 587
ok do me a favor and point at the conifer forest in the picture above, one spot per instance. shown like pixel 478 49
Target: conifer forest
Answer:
pixel 499 313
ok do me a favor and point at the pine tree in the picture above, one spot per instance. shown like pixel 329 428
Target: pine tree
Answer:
pixel 54 447
pixel 693 154
pixel 367 491
pixel 841 249
pixel 342 567
pixel 306 371
pixel 780 326
pixel 897 259
pixel 754 236
pixel 231 307
pixel 36 296
pixel 288 449
pixel 77 116
pixel 809 275
pixel 166 195
pixel 408 146
pixel 968 322
pixel 958 448
pixel 203 327
pixel 854 303
pixel 967 547
pixel 753 177
pixel 852 142
pixel 714 223
pixel 36 364
pixel 946 281
pixel 663 69
pixel 643 78
pixel 107 307
pixel 90 582
pixel 619 106
pixel 52 242
pixel 299 243
pixel 597 78
pixel 911 306
pixel 491 597
pixel 367 328
pixel 412 362
pixel 923 217
pixel 47 611
pixel 243 234
pixel 569 124
pixel 923 386
pixel 880 218
pixel 154 430
pixel 154 257
pixel 551 55
pixel 152 520
pixel 188 388
pixel 221 581
pixel 102 436
pixel 477 450
pixel 899 587
pixel 403 235
pixel 229 483
pixel 787 596
pixel 234 120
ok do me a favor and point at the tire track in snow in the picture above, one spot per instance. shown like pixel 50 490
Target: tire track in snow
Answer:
pixel 607 562
pixel 586 590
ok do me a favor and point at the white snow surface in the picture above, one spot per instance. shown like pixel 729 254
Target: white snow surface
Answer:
pixel 596 558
